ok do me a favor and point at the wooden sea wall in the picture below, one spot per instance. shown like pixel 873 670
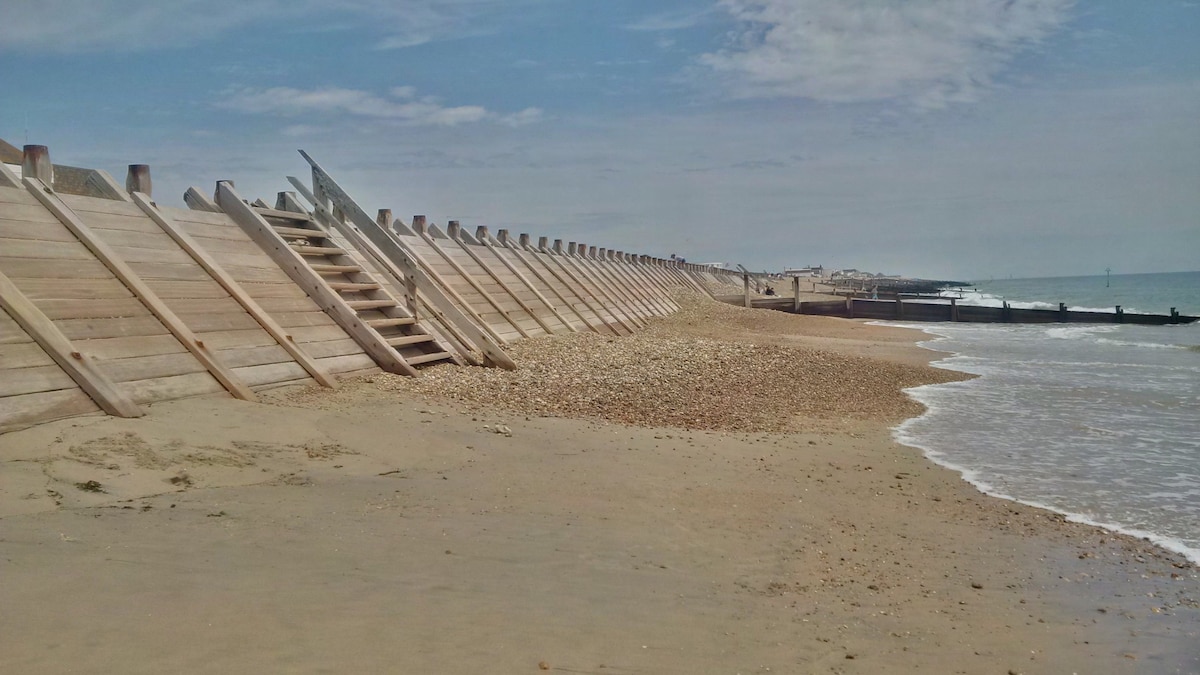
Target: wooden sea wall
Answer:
pixel 109 302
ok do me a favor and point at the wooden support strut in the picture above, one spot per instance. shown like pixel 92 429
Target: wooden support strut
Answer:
pixel 231 286
pixel 542 255
pixel 610 303
pixel 503 241
pixel 310 282
pixel 485 240
pixel 80 367
pixel 643 288
pixel 139 288
pixel 555 255
pixel 458 269
pixel 453 229
pixel 633 308
pixel 607 263
pixel 402 258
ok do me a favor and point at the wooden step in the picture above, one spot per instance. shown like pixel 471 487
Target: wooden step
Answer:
pixel 282 215
pixel 426 358
pixel 321 268
pixel 359 305
pixel 318 250
pixel 299 232
pixel 401 340
pixel 347 286
pixel 391 321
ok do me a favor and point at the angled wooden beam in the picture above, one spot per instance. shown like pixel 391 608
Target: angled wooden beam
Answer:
pixel 404 260
pixel 50 199
pixel 105 186
pixel 503 241
pixel 8 178
pixel 428 236
pixel 296 267
pixel 455 232
pixel 609 265
pixel 485 240
pixel 556 255
pixel 234 289
pixel 198 201
pixel 613 303
pixel 585 260
pixel 80 367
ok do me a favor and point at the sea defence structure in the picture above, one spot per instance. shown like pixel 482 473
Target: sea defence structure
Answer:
pixel 110 301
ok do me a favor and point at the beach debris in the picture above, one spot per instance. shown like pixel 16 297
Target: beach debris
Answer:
pixel 90 486
pixel 542 665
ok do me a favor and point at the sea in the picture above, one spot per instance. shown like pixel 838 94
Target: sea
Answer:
pixel 1099 422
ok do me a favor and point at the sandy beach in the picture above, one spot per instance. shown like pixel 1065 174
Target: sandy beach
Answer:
pixel 719 493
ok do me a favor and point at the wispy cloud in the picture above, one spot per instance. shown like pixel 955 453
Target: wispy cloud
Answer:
pixel 400 104
pixel 89 25
pixel 668 21
pixel 928 53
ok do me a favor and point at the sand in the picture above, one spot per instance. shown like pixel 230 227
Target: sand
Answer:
pixel 414 527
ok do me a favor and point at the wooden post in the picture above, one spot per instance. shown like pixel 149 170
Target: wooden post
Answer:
pixel 899 307
pixel 138 179
pixel 1062 311
pixel 1120 315
pixel 850 306
pixel 35 163
pixel 796 294
pixel 384 219
pixel 954 309
pixel 746 289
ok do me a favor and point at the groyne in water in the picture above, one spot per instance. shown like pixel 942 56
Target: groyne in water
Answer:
pixel 950 310
pixel 110 301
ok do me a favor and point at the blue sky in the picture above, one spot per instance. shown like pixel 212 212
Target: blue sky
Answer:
pixel 939 138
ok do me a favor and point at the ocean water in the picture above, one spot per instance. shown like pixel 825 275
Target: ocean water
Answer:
pixel 1100 422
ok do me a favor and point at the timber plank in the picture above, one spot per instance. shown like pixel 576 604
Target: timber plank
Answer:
pixel 233 339
pixel 242 357
pixel 23 355
pixel 129 346
pixel 98 205
pixel 17 412
pixel 324 348
pixel 31 268
pixel 21 229
pixel 96 289
pixel 17 381
pixel 124 229
pixel 151 367
pixel 311 334
pixel 80 367
pixel 203 322
pixel 89 308
pixel 349 362
pixel 170 388
pixel 44 250
pixel 267 374
pixel 88 329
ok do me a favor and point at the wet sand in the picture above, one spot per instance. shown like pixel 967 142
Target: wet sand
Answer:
pixel 453 526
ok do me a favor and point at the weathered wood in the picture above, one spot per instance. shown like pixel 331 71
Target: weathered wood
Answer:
pixel 35 163
pixel 79 366
pixel 504 286
pixel 140 289
pixel 231 286
pixel 543 256
pixel 485 240
pixel 401 260
pixel 312 283
pixel 516 251
pixel 8 178
pixel 18 412
pixel 198 201
pixel 137 179
pixel 425 234
pixel 103 185
pixel 572 267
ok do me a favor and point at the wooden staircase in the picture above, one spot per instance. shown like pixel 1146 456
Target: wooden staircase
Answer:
pixel 356 300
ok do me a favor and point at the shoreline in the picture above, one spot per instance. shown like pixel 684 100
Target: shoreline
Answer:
pixel 331 526
pixel 970 476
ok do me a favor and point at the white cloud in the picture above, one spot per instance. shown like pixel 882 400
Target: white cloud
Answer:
pixel 668 21
pixel 929 53
pixel 126 25
pixel 400 105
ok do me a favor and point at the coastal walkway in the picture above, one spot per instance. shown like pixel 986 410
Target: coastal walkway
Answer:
pixel 110 301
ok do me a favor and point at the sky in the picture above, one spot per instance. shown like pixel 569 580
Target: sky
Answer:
pixel 945 139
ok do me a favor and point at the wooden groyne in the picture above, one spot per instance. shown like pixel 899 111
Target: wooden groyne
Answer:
pixel 110 301
pixel 901 309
